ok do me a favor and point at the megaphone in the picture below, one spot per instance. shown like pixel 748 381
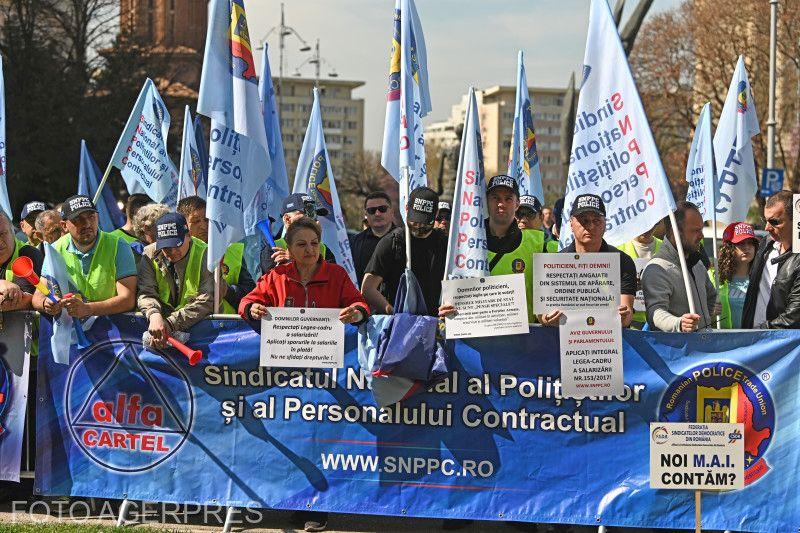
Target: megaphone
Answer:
pixel 22 267
pixel 193 356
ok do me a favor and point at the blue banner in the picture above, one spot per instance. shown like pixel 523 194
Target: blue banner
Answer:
pixel 496 441
pixel 15 351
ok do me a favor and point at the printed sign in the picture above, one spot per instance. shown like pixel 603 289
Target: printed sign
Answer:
pixel 575 281
pixel 771 181
pixel 591 354
pixel 686 455
pixel 796 223
pixel 302 337
pixel 487 307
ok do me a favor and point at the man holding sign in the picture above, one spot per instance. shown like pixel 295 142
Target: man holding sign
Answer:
pixel 588 224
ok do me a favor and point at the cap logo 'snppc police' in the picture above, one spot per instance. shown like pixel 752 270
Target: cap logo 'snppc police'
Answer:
pixel 79 203
pixel 165 231
pixel 422 205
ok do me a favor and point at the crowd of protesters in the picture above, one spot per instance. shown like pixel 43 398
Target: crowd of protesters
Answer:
pixel 156 264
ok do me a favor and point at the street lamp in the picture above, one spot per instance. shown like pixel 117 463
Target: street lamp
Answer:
pixel 284 31
pixel 317 60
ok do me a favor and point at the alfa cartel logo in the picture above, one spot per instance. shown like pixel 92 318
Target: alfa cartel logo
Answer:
pixel 128 408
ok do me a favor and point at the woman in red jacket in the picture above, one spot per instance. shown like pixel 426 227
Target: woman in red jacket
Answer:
pixel 306 281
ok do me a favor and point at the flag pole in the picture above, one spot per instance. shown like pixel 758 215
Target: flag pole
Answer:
pixel 406 175
pixel 102 183
pixel 217 279
pixel 684 270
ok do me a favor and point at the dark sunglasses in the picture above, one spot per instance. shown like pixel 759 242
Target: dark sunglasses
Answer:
pixel 774 222
pixel 373 210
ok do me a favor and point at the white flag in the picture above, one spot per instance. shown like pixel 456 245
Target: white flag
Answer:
pixel 613 152
pixel 737 183
pixel 700 173
pixel 466 246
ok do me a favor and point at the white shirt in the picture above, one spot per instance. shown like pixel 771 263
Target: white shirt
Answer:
pixel 765 285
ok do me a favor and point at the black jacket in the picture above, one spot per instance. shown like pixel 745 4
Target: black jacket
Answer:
pixel 783 309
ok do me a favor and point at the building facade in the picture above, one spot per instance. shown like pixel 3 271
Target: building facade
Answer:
pixel 342 116
pixel 496 114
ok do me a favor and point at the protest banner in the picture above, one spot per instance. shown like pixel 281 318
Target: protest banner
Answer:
pixel 591 354
pixel 408 100
pixel 613 151
pixel 302 337
pixel 686 455
pixel 737 181
pixel 15 351
pixel 110 216
pixel 327 447
pixel 314 176
pixel 141 152
pixel 239 159
pixel 575 281
pixel 487 307
pixel 523 161
pixel 467 248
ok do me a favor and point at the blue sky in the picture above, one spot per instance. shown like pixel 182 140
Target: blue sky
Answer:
pixel 469 42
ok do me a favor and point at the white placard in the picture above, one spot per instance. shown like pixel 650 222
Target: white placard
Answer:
pixel 487 307
pixel 638 301
pixel 575 281
pixel 302 337
pixel 686 455
pixel 591 353
pixel 796 223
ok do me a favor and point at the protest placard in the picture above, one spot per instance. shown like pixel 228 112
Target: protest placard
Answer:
pixel 686 455
pixel 575 281
pixel 796 223
pixel 591 354
pixel 302 337
pixel 487 307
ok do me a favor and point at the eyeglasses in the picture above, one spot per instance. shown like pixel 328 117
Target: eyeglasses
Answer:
pixel 373 210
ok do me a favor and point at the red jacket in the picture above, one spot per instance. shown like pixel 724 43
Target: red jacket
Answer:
pixel 330 287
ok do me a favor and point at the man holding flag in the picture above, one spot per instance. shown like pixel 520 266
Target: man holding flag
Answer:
pixel 407 102
pixel 101 267
pixel 15 293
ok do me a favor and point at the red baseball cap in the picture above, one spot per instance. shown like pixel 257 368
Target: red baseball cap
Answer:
pixel 738 232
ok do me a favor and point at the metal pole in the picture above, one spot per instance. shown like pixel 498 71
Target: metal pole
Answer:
pixel 406 173
pixel 316 69
pixel 228 520
pixel 217 280
pixel 771 122
pixel 281 45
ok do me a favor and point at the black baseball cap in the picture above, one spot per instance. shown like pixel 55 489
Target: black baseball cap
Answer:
pixel 529 202
pixel 32 208
pixel 502 180
pixel 445 206
pixel 422 204
pixel 171 230
pixel 588 203
pixel 75 205
pixel 302 202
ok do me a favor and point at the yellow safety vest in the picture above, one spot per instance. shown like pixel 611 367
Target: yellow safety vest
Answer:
pixel 124 236
pixel 190 283
pixel 233 262
pixel 9 274
pixel 101 281
pixel 520 261
pixel 726 320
